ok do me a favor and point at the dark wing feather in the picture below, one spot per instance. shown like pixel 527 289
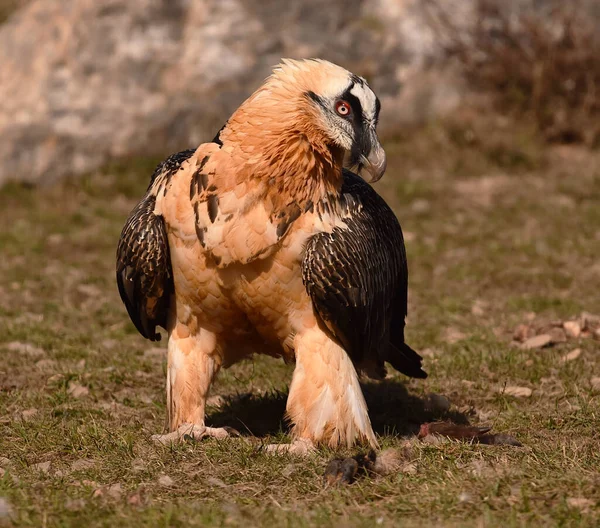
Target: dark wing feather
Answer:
pixel 144 273
pixel 357 279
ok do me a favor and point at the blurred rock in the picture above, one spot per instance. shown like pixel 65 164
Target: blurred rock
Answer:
pixel 538 341
pixel 517 392
pixel 572 329
pixel 574 354
pixel 109 79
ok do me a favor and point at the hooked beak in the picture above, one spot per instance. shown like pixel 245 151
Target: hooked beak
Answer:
pixel 375 163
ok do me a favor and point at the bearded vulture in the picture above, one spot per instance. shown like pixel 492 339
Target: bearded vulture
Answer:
pixel 262 242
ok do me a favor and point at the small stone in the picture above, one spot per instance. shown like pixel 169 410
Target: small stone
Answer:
pixel 46 364
pixel 574 354
pixel 572 329
pixel 465 497
pixel 216 401
pixel 74 504
pixel 434 439
pixel 214 481
pixel 138 465
pixel 452 335
pixel 437 402
pixel 29 414
pixel 26 349
pixel 6 510
pixel 478 308
pixel 77 391
pixel 82 464
pixel 529 362
pixel 538 341
pixel 580 503
pixel 421 206
pixel 522 332
pixel 5 462
pixel 89 290
pixel 135 499
pixel 409 468
pixel 155 353
pixel 595 383
pixel 558 335
pixel 517 392
pixel 114 491
pixel 42 467
pixel 166 481
pixel 427 353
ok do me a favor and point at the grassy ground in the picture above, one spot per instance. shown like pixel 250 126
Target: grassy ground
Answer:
pixel 499 231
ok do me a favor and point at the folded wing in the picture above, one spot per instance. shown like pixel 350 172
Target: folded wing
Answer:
pixel 357 278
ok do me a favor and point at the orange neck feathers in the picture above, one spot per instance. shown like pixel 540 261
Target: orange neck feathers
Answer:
pixel 276 139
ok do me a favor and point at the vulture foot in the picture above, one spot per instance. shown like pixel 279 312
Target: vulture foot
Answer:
pixel 193 432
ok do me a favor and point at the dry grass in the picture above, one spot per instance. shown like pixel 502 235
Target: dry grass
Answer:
pixel 541 61
pixel 497 227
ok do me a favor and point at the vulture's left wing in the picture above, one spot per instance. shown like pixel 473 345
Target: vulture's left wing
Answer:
pixel 357 278
pixel 144 273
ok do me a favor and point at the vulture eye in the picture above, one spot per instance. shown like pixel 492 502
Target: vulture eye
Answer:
pixel 342 108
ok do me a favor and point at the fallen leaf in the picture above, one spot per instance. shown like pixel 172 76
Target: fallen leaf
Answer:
pixel 574 354
pixel 572 329
pixel 517 392
pixel 538 341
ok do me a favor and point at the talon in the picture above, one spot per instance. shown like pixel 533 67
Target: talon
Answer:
pixel 194 433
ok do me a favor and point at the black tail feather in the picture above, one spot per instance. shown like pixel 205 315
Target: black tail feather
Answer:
pixel 404 359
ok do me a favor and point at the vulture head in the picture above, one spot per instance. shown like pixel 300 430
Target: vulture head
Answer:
pixel 324 103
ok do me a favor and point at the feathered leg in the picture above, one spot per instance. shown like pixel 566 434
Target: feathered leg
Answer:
pixel 326 403
pixel 192 365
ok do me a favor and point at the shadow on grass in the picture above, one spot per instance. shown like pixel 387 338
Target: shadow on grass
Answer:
pixel 393 411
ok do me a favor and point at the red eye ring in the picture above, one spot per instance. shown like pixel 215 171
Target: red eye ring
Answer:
pixel 342 108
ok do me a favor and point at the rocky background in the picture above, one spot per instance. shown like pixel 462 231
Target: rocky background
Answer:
pixel 86 81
